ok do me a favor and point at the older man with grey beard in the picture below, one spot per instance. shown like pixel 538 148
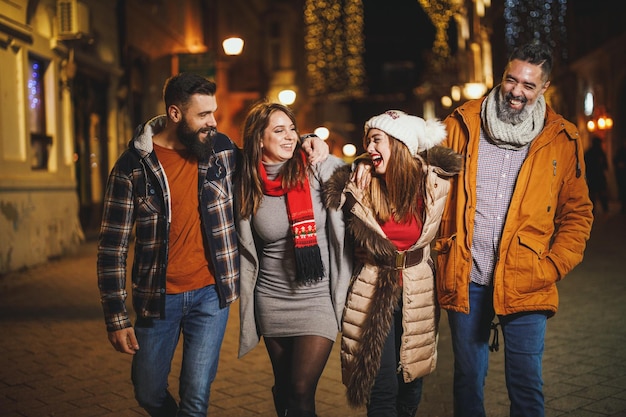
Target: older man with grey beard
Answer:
pixel 516 221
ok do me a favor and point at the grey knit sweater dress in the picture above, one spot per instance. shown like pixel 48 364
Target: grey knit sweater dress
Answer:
pixel 284 307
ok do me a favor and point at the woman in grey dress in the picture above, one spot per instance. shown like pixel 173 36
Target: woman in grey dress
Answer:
pixel 295 266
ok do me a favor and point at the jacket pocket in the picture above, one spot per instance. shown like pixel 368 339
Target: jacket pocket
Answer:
pixel 148 200
pixel 528 272
pixel 446 252
pixel 148 206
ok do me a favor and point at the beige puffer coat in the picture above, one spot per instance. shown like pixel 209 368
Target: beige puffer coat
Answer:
pixel 374 290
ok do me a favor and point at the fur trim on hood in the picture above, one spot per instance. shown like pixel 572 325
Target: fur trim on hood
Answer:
pixel 447 162
pixel 380 318
pixel 380 251
pixel 142 138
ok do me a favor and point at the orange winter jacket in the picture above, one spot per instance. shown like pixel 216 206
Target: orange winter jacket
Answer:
pixel 547 225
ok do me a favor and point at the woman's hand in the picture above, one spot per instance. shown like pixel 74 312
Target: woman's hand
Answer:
pixel 362 174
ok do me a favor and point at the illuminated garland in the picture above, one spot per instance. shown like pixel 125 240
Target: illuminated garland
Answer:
pixel 440 12
pixel 334 45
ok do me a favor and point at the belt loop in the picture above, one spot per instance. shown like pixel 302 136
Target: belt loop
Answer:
pixel 400 259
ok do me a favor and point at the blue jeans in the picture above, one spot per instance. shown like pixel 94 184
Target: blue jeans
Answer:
pixel 390 395
pixel 198 315
pixel 524 335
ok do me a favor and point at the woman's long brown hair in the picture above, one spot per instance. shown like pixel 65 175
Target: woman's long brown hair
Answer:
pixel 249 185
pixel 404 183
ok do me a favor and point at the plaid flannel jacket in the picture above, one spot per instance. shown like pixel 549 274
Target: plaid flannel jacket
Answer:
pixel 137 196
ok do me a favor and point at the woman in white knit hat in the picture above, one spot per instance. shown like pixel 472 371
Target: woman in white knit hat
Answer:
pixel 390 322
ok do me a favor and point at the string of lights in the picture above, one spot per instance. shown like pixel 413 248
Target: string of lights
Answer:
pixel 440 12
pixel 334 46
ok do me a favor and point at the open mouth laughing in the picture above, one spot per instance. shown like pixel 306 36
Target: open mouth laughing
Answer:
pixel 377 160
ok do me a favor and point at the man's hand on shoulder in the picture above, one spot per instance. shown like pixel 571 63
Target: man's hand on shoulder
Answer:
pixel 316 149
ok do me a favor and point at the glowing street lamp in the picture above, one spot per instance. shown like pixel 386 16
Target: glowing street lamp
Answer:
pixel 322 132
pixel 233 46
pixel 455 93
pixel 474 90
pixel 349 150
pixel 601 123
pixel 287 97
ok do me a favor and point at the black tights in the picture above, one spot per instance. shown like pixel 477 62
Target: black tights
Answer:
pixel 298 363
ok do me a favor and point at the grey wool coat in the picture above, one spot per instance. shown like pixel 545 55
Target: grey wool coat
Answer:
pixel 339 270
pixel 374 290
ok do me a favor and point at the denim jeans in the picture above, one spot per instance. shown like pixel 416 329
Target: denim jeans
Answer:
pixel 198 316
pixel 391 396
pixel 524 335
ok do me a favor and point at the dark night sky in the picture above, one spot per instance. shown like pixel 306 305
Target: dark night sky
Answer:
pixel 396 31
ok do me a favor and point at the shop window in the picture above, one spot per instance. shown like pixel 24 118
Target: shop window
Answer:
pixel 40 141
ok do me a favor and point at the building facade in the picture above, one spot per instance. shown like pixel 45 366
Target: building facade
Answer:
pixel 77 77
pixel 38 195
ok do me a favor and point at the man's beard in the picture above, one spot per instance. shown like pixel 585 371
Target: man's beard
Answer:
pixel 201 149
pixel 510 115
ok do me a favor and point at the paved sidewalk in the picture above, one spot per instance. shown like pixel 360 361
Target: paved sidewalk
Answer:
pixel 56 359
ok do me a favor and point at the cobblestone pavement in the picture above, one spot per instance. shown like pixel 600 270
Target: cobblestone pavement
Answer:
pixel 56 359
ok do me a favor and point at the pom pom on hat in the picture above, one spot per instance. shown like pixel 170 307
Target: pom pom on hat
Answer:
pixel 416 133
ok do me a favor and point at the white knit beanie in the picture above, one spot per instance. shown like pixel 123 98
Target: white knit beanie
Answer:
pixel 416 133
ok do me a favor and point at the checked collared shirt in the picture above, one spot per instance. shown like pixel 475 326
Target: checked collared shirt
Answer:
pixel 495 182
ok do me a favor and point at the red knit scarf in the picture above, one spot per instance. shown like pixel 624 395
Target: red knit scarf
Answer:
pixel 309 266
